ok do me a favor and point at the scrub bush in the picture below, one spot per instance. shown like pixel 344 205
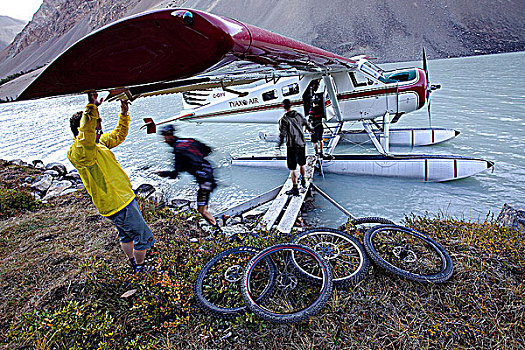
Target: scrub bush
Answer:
pixel 14 201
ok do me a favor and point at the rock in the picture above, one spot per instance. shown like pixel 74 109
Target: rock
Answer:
pixel 233 221
pixel 43 184
pixel 19 162
pixel 56 188
pixel 69 190
pixel 180 203
pixel 145 190
pixel 38 164
pixel 512 216
pixel 53 173
pixel 157 197
pixel 60 168
pixel 73 176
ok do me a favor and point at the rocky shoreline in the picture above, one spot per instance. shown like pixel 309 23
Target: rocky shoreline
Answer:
pixel 55 180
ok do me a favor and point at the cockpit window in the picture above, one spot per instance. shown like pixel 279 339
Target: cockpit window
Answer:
pixel 397 76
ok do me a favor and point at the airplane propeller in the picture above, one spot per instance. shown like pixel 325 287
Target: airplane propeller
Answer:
pixel 430 87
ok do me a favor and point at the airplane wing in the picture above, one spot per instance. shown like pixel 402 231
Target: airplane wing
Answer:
pixel 174 50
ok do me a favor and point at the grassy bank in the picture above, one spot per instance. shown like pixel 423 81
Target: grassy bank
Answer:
pixel 63 275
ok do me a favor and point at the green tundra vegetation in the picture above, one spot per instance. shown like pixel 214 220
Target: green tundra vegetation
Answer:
pixel 62 277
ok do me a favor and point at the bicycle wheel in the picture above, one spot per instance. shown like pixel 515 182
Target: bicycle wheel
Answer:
pixel 365 223
pixel 217 288
pixel 344 254
pixel 292 299
pixel 408 253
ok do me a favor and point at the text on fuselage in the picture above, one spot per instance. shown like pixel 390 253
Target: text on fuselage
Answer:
pixel 240 103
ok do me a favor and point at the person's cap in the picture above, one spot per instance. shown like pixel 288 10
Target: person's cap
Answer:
pixel 287 104
pixel 168 130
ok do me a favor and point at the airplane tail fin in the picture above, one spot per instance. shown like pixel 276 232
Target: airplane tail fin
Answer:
pixel 150 126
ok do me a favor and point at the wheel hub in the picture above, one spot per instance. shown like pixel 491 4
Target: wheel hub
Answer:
pixel 286 281
pixel 404 253
pixel 327 250
pixel 234 273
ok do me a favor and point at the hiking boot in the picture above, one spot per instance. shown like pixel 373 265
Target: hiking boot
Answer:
pixel 293 192
pixel 303 183
pixel 215 233
pixel 327 156
pixel 143 268
pixel 132 264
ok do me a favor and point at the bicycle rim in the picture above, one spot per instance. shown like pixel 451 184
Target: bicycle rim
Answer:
pixel 408 253
pixel 217 288
pixel 293 299
pixel 343 253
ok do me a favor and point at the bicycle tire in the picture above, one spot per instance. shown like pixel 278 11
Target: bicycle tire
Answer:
pixel 293 299
pixel 344 253
pixel 365 223
pixel 408 253
pixel 222 274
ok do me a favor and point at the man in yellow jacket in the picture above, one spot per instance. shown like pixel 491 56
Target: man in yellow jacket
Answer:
pixel 106 182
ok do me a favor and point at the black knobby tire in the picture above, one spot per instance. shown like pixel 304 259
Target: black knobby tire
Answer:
pixel 408 253
pixel 371 220
pixel 344 253
pixel 293 299
pixel 217 288
pixel 365 223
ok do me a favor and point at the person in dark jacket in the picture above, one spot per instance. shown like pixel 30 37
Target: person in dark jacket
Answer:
pixel 189 156
pixel 291 126
pixel 315 118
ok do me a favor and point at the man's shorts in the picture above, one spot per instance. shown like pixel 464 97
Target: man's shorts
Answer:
pixel 203 194
pixel 294 156
pixel 317 135
pixel 132 227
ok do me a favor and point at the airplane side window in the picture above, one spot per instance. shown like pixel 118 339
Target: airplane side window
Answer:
pixel 358 81
pixel 269 95
pixel 291 89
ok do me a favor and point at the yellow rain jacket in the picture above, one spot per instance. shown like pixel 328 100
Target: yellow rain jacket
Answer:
pixel 106 182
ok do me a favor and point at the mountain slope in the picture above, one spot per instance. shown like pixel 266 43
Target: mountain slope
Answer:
pixel 9 28
pixel 390 30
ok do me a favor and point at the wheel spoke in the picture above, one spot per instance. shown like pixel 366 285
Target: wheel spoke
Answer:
pixel 344 254
pixel 293 298
pixel 408 253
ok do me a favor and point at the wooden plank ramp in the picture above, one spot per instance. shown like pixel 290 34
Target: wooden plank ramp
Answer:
pixel 284 209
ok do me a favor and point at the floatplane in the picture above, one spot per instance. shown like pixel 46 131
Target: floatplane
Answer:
pixel 231 72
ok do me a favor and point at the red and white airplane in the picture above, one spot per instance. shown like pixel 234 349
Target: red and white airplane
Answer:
pixel 231 72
